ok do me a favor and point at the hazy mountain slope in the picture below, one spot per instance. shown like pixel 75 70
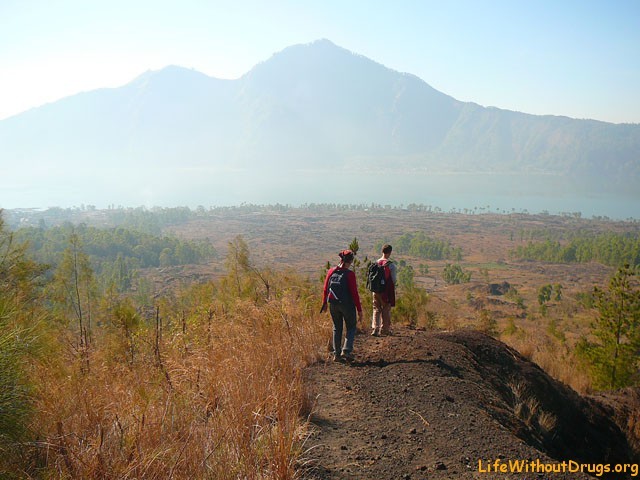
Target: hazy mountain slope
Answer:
pixel 330 101
pixel 489 139
pixel 161 117
pixel 310 107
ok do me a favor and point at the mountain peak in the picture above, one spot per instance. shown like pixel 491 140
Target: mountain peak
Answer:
pixel 318 45
pixel 323 48
pixel 322 43
pixel 170 73
pixel 316 62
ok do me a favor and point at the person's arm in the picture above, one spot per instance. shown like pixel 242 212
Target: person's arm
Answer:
pixel 394 272
pixel 325 289
pixel 353 290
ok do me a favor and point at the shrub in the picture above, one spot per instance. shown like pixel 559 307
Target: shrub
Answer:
pixel 454 274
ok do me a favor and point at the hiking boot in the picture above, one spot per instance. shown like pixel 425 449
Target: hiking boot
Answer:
pixel 375 333
pixel 348 358
pixel 338 358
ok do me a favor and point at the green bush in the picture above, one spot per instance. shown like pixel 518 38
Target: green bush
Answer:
pixel 454 274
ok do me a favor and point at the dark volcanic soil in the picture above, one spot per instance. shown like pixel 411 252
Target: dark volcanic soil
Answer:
pixel 420 405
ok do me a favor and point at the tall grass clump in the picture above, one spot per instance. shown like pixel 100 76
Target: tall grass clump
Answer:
pixel 19 330
pixel 15 406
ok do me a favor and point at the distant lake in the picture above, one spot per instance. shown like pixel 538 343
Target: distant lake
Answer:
pixel 217 187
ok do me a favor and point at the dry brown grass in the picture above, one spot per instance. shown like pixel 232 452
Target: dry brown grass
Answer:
pixel 219 395
pixel 528 409
pixel 553 356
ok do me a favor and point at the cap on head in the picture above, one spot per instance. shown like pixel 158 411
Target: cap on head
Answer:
pixel 346 255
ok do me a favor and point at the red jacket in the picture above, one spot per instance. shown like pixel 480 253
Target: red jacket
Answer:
pixel 389 294
pixel 352 285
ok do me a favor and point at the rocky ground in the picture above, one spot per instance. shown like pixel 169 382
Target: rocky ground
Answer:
pixel 420 405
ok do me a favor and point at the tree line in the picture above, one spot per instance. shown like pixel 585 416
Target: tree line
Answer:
pixel 420 245
pixel 612 249
pixel 115 254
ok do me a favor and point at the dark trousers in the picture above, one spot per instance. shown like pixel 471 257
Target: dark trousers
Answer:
pixel 343 313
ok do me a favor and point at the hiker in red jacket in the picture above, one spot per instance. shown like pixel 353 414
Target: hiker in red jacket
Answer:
pixel 341 294
pixel 383 301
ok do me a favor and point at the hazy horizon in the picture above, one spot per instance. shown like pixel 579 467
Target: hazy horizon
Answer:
pixel 498 193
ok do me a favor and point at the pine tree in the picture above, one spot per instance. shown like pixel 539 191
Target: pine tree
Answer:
pixel 74 290
pixel 240 268
pixel 614 356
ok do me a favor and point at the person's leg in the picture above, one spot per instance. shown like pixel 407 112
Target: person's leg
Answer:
pixel 376 322
pixel 350 319
pixel 337 317
pixel 385 313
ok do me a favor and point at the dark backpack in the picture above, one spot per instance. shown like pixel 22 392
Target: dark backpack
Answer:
pixel 376 278
pixel 337 289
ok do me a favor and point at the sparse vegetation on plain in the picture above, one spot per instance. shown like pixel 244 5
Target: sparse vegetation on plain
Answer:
pixel 195 370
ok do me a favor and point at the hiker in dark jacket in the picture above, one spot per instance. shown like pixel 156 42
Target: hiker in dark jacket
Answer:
pixel 383 301
pixel 341 294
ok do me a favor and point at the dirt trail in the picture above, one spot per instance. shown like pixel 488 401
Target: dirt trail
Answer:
pixel 420 405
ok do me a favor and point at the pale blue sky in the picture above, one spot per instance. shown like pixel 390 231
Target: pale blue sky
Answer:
pixel 579 58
